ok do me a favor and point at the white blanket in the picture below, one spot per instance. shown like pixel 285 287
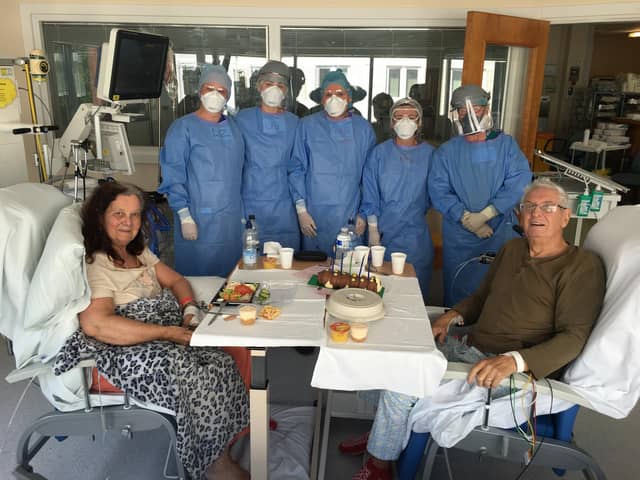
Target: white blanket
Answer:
pixel 456 408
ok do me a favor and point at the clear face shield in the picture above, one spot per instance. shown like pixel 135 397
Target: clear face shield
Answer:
pixel 471 119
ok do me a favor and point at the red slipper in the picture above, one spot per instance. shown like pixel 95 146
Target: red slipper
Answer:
pixel 371 472
pixel 354 446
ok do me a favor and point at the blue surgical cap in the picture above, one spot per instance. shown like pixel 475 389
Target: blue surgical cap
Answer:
pixel 474 93
pixel 338 78
pixel 214 73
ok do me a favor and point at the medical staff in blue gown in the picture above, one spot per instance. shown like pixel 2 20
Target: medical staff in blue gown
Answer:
pixel 268 132
pixel 476 180
pixel 201 164
pixel 330 151
pixel 395 195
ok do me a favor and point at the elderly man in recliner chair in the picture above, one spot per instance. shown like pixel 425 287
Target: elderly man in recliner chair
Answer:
pixel 533 312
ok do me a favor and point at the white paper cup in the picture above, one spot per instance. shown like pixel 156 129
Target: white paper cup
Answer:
pixel 397 262
pixel 362 255
pixel 286 257
pixel 377 255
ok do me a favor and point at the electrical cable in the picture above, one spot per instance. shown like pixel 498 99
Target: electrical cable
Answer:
pixel 484 258
pixel 13 416
pixel 524 470
pixel 50 141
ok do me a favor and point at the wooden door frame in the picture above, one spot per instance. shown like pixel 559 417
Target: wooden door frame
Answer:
pixel 492 29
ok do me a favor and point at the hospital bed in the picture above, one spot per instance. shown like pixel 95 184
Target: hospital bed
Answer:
pixel 605 377
pixel 42 288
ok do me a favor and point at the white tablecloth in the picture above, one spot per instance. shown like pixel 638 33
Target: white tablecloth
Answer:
pixel 299 324
pixel 399 353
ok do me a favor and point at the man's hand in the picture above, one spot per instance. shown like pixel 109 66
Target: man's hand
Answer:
pixel 491 371
pixel 307 224
pixel 361 224
pixel 440 327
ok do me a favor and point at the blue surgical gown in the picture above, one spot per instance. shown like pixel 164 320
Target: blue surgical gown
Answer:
pixel 268 141
pixel 394 188
pixel 329 157
pixel 470 176
pixel 201 165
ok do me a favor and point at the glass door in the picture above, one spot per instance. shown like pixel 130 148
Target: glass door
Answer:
pixel 517 92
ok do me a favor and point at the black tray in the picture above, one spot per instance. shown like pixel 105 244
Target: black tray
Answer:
pixel 217 298
pixel 310 256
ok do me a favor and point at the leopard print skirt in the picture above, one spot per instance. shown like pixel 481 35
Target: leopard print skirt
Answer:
pixel 201 385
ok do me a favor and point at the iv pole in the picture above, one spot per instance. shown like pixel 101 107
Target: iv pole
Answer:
pixel 42 170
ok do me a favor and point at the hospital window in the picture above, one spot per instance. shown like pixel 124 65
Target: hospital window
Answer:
pixel 378 60
pixel 393 82
pixel 493 80
pixel 400 80
pixel 74 48
pixel 322 71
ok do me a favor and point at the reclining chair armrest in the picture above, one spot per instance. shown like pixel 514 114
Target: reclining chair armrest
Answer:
pixel 560 390
pixel 37 368
pixel 27 372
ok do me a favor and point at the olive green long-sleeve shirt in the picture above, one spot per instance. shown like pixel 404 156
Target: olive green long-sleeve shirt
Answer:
pixel 544 308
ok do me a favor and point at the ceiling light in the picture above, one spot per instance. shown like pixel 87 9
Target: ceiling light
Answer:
pixel 635 34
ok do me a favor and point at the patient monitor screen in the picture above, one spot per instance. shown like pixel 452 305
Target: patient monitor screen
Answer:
pixel 116 152
pixel 138 65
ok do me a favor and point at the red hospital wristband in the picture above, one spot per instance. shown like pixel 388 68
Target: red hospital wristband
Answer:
pixel 185 300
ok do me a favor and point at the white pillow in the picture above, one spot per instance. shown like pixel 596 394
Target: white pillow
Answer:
pixel 58 290
pixel 27 211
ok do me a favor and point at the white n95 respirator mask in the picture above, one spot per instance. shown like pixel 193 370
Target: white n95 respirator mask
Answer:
pixel 405 128
pixel 213 101
pixel 335 106
pixel 272 96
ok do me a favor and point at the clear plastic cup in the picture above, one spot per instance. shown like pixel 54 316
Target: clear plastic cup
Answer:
pixel 377 255
pixel 398 260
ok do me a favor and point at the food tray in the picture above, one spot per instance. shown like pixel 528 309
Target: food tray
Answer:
pixel 314 282
pixel 218 298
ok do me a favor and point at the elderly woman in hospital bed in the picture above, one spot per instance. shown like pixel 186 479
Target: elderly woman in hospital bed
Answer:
pixel 532 313
pixel 139 335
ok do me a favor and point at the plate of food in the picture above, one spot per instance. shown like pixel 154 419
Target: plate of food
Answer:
pixel 235 293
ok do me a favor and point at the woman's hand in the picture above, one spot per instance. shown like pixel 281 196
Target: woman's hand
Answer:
pixel 179 335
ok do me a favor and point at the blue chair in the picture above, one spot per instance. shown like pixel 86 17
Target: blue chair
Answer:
pixel 158 222
pixel 555 448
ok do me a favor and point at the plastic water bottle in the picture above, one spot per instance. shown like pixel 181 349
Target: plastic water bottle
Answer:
pixel 252 219
pixel 249 246
pixel 343 247
pixel 351 229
